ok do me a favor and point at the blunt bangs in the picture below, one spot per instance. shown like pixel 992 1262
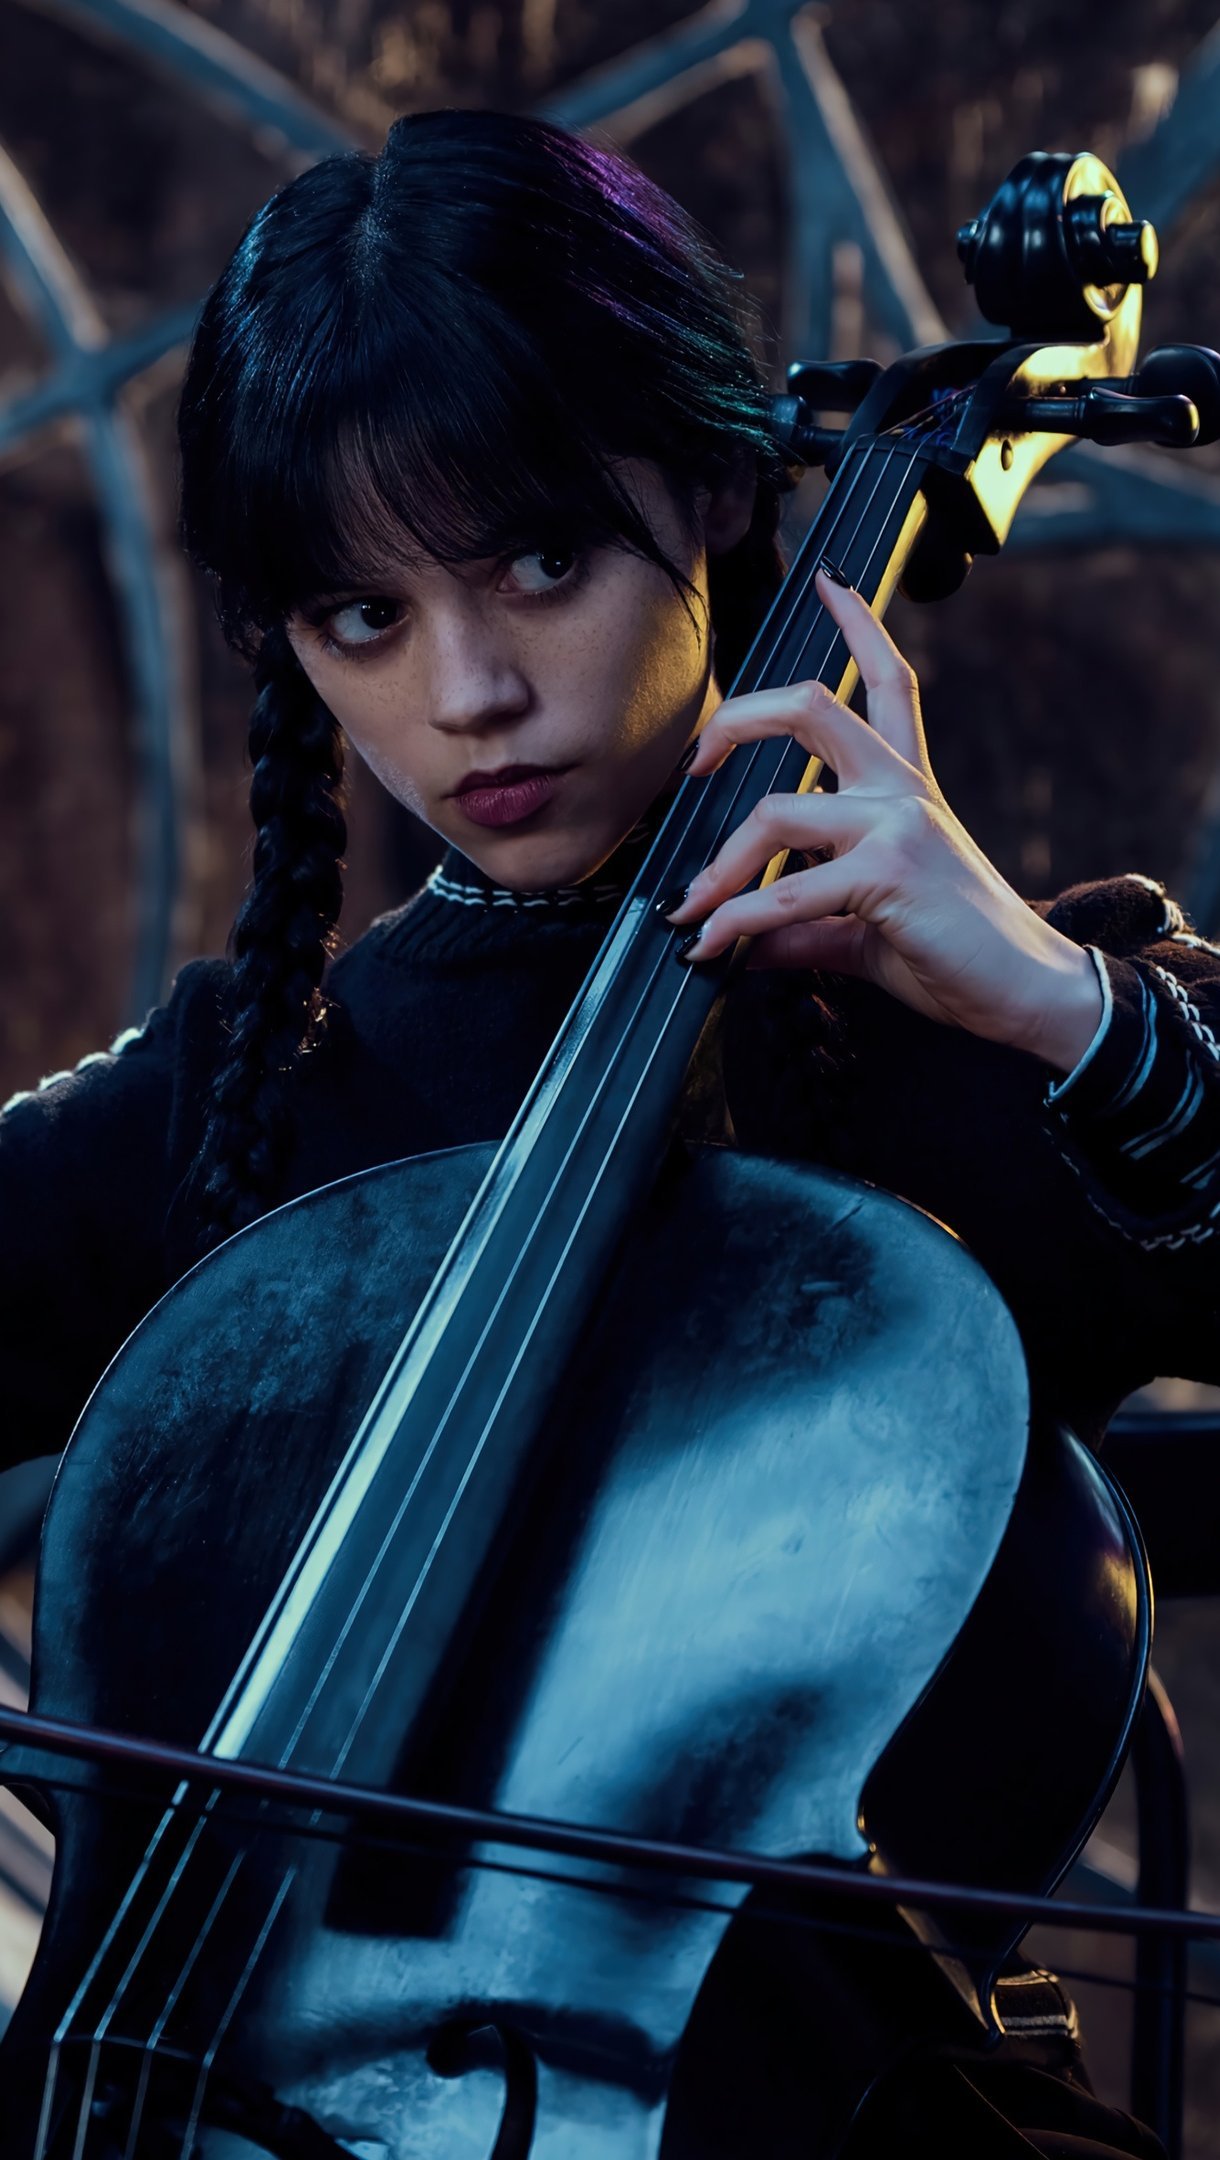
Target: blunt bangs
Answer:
pixel 443 352
pixel 401 446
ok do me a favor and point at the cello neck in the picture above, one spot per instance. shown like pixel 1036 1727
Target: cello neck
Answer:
pixel 413 1512
pixel 868 523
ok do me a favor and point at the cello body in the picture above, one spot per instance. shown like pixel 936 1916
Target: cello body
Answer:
pixel 792 1577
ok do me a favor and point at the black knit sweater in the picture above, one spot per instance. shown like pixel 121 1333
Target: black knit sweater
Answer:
pixel 1095 1209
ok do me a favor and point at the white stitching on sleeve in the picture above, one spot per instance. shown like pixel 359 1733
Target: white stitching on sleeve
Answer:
pixel 1190 1012
pixel 1157 1241
pixel 1191 937
pixel 121 1042
pixel 1194 1234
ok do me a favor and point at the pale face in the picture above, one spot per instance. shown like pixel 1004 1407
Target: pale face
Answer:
pixel 589 670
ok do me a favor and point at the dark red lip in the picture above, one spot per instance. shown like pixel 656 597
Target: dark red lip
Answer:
pixel 510 795
pixel 504 776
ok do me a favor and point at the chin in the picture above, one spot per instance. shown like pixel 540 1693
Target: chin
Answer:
pixel 534 862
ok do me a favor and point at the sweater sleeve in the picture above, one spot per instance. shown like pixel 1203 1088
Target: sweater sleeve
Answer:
pixel 85 1183
pixel 1138 1120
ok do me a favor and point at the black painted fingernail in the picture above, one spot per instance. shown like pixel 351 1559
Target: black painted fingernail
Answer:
pixel 688 755
pixel 670 902
pixel 832 571
pixel 688 944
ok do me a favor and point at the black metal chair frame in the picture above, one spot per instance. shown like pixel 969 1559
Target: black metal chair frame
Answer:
pixel 1157 1458
pixel 1158 2035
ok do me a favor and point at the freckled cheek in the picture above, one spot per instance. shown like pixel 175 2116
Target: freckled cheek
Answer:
pixel 629 684
pixel 384 757
pixel 658 694
pixel 667 673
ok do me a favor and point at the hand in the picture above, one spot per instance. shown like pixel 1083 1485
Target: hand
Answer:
pixel 898 892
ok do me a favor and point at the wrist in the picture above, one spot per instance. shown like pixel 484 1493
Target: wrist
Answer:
pixel 1070 1007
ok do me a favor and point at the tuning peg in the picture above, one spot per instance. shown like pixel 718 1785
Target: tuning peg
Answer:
pixel 1113 417
pixel 1185 371
pixel 833 385
pixel 1105 248
pixel 799 436
pixel 1103 415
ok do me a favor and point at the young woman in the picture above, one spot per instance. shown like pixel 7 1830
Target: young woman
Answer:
pixel 478 459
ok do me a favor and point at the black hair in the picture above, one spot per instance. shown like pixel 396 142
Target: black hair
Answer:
pixel 444 348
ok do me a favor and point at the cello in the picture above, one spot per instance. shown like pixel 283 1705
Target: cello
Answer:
pixel 746 1586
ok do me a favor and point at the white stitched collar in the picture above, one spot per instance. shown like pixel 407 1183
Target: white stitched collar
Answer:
pixel 446 884
pixel 484 896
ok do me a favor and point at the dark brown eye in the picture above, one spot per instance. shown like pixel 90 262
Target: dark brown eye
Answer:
pixel 359 612
pixel 366 613
pixel 543 568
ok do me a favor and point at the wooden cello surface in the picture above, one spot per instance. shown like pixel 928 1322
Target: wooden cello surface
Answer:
pixel 745 1553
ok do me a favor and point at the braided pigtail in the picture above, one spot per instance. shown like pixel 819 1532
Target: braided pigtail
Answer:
pixel 281 940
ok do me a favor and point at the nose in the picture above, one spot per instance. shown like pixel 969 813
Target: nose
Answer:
pixel 476 679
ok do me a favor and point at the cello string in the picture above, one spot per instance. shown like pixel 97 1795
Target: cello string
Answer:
pixel 378 1418
pixel 137 2113
pixel 407 1609
pixel 841 515
pixel 805 645
pixel 608 1072
pixel 932 413
pixel 208 2063
pixel 152 2046
pixel 683 983
pixel 606 1078
pixel 837 522
pixel 374 1415
pixel 63 2028
pixel 604 1081
pixel 98 2037
pixel 902 431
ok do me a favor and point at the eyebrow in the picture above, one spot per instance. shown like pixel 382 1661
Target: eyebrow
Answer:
pixel 390 567
pixel 373 575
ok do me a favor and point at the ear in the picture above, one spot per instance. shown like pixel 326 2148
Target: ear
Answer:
pixel 730 506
